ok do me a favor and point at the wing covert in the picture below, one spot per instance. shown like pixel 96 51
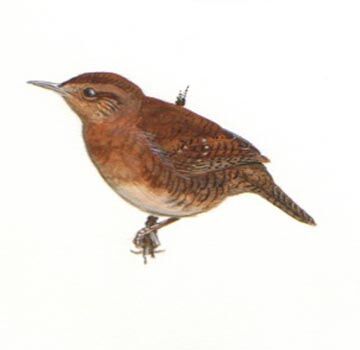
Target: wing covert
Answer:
pixel 193 144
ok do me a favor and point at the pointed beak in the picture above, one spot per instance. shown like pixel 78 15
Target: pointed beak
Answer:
pixel 47 85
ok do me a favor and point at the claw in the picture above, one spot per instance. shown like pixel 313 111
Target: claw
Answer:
pixel 181 97
pixel 147 241
pixel 145 253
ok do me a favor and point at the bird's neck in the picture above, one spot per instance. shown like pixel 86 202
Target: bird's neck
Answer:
pixel 119 144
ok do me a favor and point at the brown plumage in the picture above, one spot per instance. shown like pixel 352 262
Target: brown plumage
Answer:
pixel 163 158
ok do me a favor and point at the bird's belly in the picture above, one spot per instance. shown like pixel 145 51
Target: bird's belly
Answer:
pixel 158 203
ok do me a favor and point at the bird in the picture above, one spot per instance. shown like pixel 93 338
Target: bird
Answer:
pixel 163 158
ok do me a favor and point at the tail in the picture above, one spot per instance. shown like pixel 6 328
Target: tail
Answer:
pixel 275 195
pixel 264 185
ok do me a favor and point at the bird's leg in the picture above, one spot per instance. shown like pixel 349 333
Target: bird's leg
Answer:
pixel 146 240
pixel 181 97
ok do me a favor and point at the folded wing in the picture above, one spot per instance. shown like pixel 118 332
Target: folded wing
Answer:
pixel 192 144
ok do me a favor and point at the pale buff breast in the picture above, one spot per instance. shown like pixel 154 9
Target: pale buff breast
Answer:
pixel 154 203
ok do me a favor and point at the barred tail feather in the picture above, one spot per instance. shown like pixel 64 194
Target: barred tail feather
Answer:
pixel 275 195
pixel 262 183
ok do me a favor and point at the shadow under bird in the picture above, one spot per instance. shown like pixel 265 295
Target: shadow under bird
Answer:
pixel 163 158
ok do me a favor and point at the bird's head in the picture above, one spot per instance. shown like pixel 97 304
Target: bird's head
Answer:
pixel 98 97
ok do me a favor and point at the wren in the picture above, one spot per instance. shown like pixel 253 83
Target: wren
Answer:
pixel 163 158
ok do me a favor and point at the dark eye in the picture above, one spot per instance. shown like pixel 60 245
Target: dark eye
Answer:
pixel 89 92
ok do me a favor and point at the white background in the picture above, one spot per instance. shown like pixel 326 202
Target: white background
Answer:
pixel 283 74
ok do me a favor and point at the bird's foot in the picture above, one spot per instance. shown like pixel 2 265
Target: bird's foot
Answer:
pixel 146 240
pixel 181 97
